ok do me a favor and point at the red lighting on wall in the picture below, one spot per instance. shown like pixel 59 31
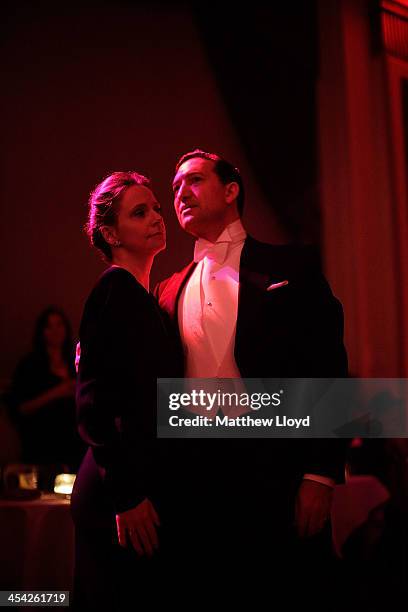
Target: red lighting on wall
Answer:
pixel 395 28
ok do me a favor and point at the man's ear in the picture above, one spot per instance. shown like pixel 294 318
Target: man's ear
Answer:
pixel 231 192
pixel 109 234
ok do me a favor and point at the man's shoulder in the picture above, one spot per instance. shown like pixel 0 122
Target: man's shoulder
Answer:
pixel 298 257
pixel 283 249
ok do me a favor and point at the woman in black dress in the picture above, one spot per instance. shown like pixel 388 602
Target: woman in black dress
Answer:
pixel 126 344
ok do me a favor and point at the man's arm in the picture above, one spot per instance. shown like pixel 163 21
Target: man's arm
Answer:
pixel 325 465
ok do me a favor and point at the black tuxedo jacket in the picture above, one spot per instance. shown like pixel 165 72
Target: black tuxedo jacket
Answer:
pixel 293 331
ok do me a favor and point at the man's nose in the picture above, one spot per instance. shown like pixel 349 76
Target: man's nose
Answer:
pixel 184 192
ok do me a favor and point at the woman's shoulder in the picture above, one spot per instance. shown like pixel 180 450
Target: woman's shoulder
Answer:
pixel 116 279
pixel 116 288
pixel 116 275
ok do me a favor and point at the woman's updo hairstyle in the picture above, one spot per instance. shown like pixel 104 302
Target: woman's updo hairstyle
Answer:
pixel 103 206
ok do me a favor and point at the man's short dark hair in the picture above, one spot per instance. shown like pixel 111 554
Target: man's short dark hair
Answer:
pixel 226 172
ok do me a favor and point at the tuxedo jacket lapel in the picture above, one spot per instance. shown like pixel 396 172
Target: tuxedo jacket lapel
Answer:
pixel 169 291
pixel 260 267
pixel 252 286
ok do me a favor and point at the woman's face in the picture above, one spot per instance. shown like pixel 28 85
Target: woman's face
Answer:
pixel 55 331
pixel 139 224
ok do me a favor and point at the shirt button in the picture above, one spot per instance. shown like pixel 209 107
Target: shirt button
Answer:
pixel 209 303
pixel 213 277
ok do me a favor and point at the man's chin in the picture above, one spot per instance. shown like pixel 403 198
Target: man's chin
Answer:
pixel 190 226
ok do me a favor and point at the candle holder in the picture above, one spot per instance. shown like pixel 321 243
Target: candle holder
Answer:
pixel 63 484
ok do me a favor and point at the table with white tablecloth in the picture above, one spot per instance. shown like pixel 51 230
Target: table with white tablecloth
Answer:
pixel 36 544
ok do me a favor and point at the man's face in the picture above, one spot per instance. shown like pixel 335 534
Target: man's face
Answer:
pixel 200 198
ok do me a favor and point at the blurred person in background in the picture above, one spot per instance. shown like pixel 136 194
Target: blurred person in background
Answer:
pixel 42 398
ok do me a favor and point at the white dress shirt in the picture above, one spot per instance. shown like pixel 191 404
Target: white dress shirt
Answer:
pixel 208 306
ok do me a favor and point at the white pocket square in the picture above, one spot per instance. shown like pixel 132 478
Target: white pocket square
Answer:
pixel 277 285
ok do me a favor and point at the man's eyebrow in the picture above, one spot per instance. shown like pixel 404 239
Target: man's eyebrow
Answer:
pixel 187 174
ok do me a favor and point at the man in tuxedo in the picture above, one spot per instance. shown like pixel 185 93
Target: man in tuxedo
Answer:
pixel 251 310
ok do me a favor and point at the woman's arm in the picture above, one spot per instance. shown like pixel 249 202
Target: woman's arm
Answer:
pixel 62 390
pixel 115 390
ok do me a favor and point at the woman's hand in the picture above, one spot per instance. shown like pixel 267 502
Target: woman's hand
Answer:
pixel 140 525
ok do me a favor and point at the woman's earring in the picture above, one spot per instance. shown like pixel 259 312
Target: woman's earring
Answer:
pixel 117 243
